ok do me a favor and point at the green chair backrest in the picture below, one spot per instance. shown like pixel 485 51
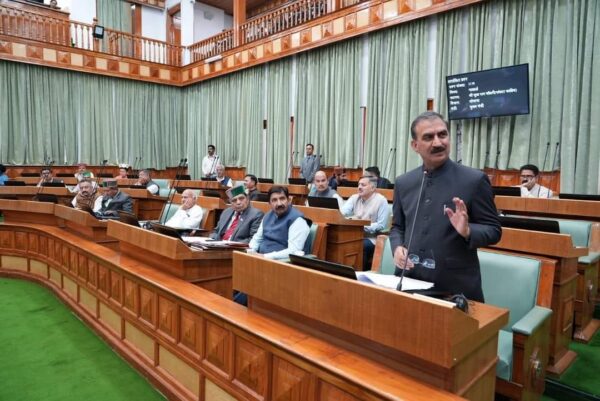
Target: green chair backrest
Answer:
pixel 310 240
pixel 168 211
pixel 163 186
pixel 510 282
pixel 387 259
pixel 579 231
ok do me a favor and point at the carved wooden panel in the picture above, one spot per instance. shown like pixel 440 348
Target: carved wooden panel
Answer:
pixel 65 259
pixel 7 239
pixel 290 383
pixel 43 246
pixel 328 392
pixel 251 367
pixel 103 280
pixel 92 275
pixel 33 243
pixel 82 268
pixel 116 281
pixel 190 328
pixel 74 262
pixel 130 298
pixel 218 347
pixel 148 306
pixel 21 241
pixel 167 318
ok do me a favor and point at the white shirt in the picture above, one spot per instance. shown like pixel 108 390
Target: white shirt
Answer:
pixel 537 191
pixel 97 204
pixel 209 165
pixel 297 235
pixel 189 219
pixel 153 189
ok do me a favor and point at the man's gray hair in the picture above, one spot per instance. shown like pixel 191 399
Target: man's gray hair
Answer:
pixel 372 180
pixel 428 115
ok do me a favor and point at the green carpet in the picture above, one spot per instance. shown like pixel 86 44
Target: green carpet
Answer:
pixel 584 374
pixel 46 353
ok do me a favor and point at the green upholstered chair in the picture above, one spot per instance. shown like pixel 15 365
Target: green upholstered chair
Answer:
pixel 163 186
pixel 512 282
pixel 168 211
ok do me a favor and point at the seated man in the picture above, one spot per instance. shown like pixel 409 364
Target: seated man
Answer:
pixel 251 182
pixel 87 197
pixel 3 176
pixel 46 176
pixel 240 221
pixel 122 173
pixel 339 176
pixel 368 205
pixel 529 186
pixel 82 172
pixel 321 189
pixel 189 215
pixel 222 178
pixel 114 201
pixel 145 180
pixel 283 230
pixel 373 171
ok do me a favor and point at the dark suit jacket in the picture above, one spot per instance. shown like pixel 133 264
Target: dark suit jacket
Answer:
pixel 246 228
pixel 457 265
pixel 121 202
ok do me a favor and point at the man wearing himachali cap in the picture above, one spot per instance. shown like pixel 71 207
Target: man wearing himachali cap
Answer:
pixel 240 221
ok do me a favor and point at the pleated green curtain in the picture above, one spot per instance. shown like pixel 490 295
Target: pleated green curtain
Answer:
pixel 70 117
pixel 559 39
pixel 327 112
pixel 226 112
pixel 114 14
pixel 397 92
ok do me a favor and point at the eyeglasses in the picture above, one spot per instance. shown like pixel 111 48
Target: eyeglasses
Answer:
pixel 427 263
pixel 528 177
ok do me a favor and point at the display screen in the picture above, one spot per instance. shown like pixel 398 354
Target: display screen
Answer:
pixel 489 93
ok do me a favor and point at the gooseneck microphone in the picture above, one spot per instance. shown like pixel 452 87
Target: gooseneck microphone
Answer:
pixel 546 156
pixel 412 230
pixel 173 189
pixel 553 168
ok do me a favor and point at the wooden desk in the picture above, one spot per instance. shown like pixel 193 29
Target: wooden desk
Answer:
pixel 35 180
pixel 29 212
pixel 425 338
pixel 28 192
pixel 85 224
pixel 208 269
pixel 560 248
pixel 564 208
pixel 147 206
pixel 205 185
pixel 352 174
pixel 193 344
pixel 344 237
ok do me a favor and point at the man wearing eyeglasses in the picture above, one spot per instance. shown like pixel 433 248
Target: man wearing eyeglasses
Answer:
pixel 438 239
pixel 529 183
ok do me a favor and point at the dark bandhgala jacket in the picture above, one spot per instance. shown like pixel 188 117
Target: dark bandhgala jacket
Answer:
pixel 457 265
pixel 121 202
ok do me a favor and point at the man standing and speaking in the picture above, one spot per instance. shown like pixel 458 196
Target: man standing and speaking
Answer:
pixel 443 212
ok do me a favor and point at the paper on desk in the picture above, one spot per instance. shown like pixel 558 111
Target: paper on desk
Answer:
pixel 211 243
pixel 390 281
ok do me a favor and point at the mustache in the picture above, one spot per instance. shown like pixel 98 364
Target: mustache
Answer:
pixel 438 149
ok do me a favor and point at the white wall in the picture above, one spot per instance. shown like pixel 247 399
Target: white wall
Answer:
pixel 154 23
pixel 83 11
pixel 208 21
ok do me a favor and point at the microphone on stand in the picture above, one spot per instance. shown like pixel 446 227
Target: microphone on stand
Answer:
pixel 412 230
pixel 496 163
pixel 546 156
pixel 211 172
pixel 98 182
pixel 173 189
pixel 553 168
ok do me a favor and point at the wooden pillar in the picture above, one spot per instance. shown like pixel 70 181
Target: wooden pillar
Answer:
pixel 136 29
pixel 239 17
pixel 334 5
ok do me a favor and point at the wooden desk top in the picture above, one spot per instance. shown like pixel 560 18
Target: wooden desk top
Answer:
pixel 319 215
pixel 538 242
pixel 565 208
pixel 346 192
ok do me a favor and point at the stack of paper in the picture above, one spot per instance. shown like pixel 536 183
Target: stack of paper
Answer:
pixel 391 281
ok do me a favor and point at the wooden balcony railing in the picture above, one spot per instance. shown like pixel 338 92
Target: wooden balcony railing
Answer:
pixel 29 25
pixel 211 47
pixel 282 18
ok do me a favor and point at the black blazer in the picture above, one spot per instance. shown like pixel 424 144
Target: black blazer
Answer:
pixel 457 265
pixel 121 202
pixel 247 226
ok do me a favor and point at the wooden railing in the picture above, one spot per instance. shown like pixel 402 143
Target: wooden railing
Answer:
pixel 29 25
pixel 282 18
pixel 211 47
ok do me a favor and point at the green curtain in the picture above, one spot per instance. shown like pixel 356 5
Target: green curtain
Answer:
pixel 69 117
pixel 397 92
pixel 560 40
pixel 327 112
pixel 226 112
pixel 114 14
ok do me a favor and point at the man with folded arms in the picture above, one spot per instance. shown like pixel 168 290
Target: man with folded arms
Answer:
pixel 114 201
pixel 240 221
pixel 189 215
pixel 87 197
pixel 145 180
pixel 283 230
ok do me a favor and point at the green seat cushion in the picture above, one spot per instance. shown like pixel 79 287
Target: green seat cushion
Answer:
pixel 387 259
pixel 505 355
pixel 590 258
